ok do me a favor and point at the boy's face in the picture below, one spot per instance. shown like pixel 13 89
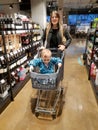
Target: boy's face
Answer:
pixel 46 59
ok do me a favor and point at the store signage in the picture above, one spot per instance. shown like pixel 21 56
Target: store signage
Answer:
pixel 81 18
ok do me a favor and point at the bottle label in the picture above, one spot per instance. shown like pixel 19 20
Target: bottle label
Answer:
pixel 2 81
pixel 0 48
pixel 1 71
pixel 2 57
pixel 5 70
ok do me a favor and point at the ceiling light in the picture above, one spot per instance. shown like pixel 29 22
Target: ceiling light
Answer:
pixel 96 1
pixel 19 1
pixel 10 6
pixel 49 4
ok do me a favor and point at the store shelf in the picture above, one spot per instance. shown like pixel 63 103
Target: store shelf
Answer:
pixel 94 88
pixel 20 85
pixel 5 102
pixel 89 58
pixel 87 67
pixel 19 47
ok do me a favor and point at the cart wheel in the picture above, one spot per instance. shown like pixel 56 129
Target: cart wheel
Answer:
pixel 84 56
pixel 54 116
pixel 60 108
pixel 36 114
pixel 89 77
pixel 84 62
pixel 62 91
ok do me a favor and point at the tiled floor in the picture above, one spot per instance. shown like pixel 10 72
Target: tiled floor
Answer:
pixel 80 110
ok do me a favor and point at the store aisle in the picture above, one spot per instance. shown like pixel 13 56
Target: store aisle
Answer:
pixel 80 110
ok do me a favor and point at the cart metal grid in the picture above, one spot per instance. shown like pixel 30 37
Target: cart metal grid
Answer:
pixel 49 89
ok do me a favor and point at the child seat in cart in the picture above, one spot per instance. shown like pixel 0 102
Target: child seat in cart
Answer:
pixel 49 90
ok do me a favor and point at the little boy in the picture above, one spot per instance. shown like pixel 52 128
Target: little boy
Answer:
pixel 46 62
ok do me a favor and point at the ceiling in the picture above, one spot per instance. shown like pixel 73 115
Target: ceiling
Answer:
pixel 74 5
pixel 78 3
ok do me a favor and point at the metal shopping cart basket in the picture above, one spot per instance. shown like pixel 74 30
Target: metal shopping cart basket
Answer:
pixel 49 97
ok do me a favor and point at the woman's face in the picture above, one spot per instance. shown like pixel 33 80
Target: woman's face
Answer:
pixel 54 19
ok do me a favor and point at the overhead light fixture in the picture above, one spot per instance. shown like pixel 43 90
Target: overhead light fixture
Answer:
pixel 89 11
pixel 96 1
pixel 49 4
pixel 19 1
pixel 11 6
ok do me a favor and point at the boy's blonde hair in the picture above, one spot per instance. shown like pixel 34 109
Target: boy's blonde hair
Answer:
pixel 46 53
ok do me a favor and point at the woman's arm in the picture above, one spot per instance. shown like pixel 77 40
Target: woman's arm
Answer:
pixel 68 38
pixel 44 37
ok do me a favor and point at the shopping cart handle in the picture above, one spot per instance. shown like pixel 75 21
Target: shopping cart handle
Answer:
pixel 54 49
pixel 58 70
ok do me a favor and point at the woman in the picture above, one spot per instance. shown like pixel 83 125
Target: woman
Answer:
pixel 55 35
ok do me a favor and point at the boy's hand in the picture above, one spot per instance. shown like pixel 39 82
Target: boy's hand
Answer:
pixel 59 65
pixel 31 68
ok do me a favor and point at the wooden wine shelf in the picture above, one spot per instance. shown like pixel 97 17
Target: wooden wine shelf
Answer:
pixel 20 85
pixel 6 101
pixel 94 87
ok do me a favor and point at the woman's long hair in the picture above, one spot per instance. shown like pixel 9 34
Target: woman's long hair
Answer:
pixel 60 26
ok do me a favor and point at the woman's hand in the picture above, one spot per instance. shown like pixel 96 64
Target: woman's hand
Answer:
pixel 61 47
pixel 41 48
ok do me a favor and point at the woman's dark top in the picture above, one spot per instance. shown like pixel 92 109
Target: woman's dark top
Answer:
pixel 54 38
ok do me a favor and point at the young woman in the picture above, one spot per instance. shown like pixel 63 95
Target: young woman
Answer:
pixel 55 35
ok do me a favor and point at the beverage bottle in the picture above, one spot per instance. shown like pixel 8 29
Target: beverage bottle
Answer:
pixel 96 78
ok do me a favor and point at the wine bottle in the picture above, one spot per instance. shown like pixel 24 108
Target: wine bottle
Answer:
pixel 2 25
pixel 3 86
pixel 3 61
pixel 8 22
pixel 10 45
pixel 4 22
pixel 1 51
pixel 96 77
pixel 11 24
pixel 3 68
pixel 15 76
pixel 13 80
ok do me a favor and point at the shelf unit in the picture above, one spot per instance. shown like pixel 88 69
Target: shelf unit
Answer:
pixel 91 58
pixel 7 100
pixel 19 46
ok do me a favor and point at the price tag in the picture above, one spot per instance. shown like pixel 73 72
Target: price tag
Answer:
pixel 13 73
pixel 2 57
pixel 2 81
pixel 1 71
pixel 11 53
pixel 11 47
pixel 0 48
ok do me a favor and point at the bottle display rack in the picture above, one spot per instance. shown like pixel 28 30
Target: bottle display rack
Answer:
pixel 19 41
pixel 91 58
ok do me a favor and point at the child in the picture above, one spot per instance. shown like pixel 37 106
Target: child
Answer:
pixel 46 62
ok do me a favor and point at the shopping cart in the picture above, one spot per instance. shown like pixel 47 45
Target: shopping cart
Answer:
pixel 50 92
